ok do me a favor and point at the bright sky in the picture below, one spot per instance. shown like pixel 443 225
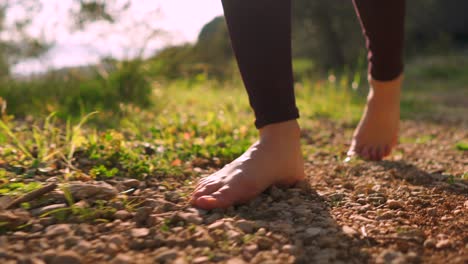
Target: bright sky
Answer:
pixel 182 19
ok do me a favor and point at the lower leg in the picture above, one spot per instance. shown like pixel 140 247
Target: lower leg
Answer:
pixel 260 36
pixel 383 27
pixel 377 132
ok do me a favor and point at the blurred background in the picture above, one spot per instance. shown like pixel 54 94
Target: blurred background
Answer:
pixel 77 56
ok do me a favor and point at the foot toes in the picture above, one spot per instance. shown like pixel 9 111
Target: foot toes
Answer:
pixel 371 153
pixel 205 190
pixel 201 185
pixel 386 150
pixel 351 152
pixel 352 149
pixel 375 154
pixel 204 180
pixel 365 153
pixel 378 153
pixel 355 150
pixel 207 202
pixel 222 198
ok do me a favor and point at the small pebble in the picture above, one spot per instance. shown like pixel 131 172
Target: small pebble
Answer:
pixel 142 215
pixel 290 249
pixel 389 257
pixel 261 231
pixel 36 227
pixel 47 221
pixel 131 183
pixel 264 243
pixel 66 257
pixel 216 225
pixel 386 216
pixel 58 230
pixel 122 215
pixel 246 226
pixel 97 190
pixel 252 248
pixel 394 204
pixel 191 218
pixel 233 235
pixel 445 243
pixel 172 197
pixel 82 247
pixel 430 243
pixel 119 239
pixel 140 232
pixel 122 259
pixel 71 241
pixel 213 217
pixel 349 231
pixel 200 260
pixel 165 255
pixel 313 231
pixel 236 261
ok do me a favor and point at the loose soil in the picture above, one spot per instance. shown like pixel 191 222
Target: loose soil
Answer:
pixel 409 208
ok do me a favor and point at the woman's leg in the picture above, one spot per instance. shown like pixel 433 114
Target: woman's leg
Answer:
pixel 260 33
pixel 383 26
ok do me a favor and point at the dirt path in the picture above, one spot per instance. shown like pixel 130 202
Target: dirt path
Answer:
pixel 411 208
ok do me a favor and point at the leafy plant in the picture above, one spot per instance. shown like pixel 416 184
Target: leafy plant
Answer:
pixel 462 145
pixel 101 172
pixel 16 188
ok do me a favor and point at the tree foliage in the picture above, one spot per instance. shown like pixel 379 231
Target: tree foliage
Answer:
pixel 325 33
pixel 17 17
pixel 210 56
pixel 329 36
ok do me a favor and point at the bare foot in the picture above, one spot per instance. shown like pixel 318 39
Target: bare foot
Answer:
pixel 377 132
pixel 276 159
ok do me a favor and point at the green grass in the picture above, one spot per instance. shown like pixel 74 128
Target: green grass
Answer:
pixel 76 93
pixel 184 125
pixel 15 188
pixel 462 146
pixel 203 124
pixel 435 85
pixel 418 140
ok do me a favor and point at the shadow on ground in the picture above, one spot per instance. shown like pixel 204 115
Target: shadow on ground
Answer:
pixel 300 221
pixel 418 177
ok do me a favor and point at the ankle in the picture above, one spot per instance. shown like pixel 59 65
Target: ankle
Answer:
pixel 385 85
pixel 387 90
pixel 283 130
pixel 390 83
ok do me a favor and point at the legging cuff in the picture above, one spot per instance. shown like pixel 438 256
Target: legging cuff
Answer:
pixel 273 117
pixel 387 74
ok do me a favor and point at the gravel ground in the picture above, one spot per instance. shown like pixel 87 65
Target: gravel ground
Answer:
pixel 409 208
